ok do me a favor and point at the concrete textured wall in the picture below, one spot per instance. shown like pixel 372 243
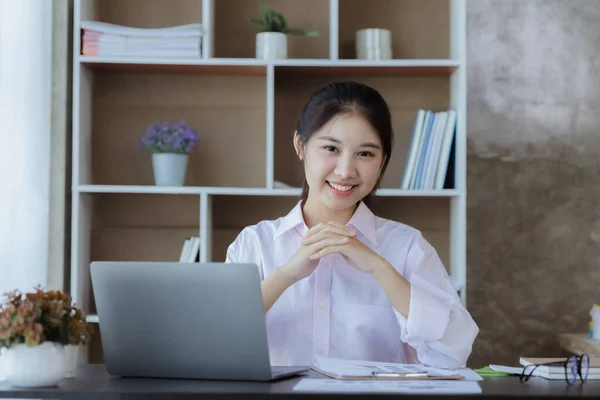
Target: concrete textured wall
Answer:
pixel 533 173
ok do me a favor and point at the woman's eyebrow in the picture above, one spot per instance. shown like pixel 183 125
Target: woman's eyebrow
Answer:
pixel 367 144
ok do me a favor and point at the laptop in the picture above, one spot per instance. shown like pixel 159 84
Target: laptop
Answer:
pixel 183 321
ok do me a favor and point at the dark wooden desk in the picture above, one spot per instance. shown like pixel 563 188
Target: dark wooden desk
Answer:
pixel 92 382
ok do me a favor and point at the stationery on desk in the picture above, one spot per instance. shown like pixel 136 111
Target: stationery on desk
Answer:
pixel 373 370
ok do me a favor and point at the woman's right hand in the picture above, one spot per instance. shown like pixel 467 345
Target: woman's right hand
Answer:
pixel 300 266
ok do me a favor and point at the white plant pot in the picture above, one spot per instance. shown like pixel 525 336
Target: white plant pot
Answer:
pixel 169 168
pixel 2 368
pixel 37 366
pixel 373 44
pixel 271 45
pixel 71 355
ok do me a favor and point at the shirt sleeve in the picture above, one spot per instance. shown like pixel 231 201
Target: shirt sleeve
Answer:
pixel 438 327
pixel 245 250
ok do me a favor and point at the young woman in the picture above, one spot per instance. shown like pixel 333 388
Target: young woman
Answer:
pixel 337 280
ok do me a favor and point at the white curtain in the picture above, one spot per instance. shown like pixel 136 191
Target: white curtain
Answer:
pixel 25 99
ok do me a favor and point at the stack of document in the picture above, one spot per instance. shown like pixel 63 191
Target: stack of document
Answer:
pixel 106 39
pixel 374 370
pixel 352 376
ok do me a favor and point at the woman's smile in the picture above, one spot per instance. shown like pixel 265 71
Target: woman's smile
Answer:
pixel 341 190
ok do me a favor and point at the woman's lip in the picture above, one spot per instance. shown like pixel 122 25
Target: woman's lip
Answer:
pixel 343 184
pixel 339 192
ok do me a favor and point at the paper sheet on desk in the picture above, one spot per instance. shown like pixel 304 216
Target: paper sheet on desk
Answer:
pixel 336 386
pixel 340 367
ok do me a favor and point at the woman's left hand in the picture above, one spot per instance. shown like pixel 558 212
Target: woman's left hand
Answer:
pixel 356 253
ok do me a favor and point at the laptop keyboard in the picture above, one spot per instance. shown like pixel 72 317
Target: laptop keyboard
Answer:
pixel 275 371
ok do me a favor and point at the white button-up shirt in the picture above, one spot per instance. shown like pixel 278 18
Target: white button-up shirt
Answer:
pixel 342 312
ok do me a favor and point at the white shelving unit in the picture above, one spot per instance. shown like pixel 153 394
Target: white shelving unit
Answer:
pixel 244 109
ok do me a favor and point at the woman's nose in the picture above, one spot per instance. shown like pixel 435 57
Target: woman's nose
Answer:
pixel 345 168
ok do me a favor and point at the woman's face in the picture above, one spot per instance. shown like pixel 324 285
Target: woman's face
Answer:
pixel 342 161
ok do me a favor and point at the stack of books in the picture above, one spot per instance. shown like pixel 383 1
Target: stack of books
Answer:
pixel 190 252
pixel 430 152
pixel 110 40
pixel 558 372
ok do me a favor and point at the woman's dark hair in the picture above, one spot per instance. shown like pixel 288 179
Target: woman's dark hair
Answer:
pixel 347 97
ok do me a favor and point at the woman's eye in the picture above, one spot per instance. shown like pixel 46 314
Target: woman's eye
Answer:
pixel 330 148
pixel 365 154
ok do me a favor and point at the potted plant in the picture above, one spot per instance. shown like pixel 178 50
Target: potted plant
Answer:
pixel 271 41
pixel 35 328
pixel 170 144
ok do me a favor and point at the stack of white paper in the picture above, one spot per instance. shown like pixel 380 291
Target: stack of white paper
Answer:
pixel 105 39
pixel 354 369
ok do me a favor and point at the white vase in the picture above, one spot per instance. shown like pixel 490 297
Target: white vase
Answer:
pixel 36 366
pixel 71 355
pixel 271 45
pixel 169 168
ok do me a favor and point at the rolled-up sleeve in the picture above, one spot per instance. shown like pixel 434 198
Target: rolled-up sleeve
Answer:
pixel 438 326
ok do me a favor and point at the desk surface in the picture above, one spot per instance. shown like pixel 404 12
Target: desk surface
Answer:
pixel 92 382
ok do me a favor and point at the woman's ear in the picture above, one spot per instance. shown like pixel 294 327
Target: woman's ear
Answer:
pixel 298 146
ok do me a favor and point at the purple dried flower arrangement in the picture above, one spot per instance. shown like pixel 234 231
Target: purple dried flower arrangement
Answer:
pixel 166 137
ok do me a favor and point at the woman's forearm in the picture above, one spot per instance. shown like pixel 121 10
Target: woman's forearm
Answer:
pixel 394 285
pixel 273 287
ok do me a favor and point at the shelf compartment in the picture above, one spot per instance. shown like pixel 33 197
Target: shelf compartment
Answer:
pixel 133 227
pixel 175 66
pixel 142 13
pixel 235 35
pixel 429 215
pixel 227 111
pixel 140 227
pixel 403 95
pixel 231 214
pixel 354 68
pixel 420 29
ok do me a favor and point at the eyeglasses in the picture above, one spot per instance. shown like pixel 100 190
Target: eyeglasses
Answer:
pixel 574 366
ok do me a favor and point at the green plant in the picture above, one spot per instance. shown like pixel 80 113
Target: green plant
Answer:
pixel 273 21
pixel 42 316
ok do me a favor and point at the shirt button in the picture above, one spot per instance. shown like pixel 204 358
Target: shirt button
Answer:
pixel 321 304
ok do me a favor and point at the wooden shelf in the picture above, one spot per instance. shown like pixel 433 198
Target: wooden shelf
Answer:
pixel 252 66
pixel 175 66
pixel 241 191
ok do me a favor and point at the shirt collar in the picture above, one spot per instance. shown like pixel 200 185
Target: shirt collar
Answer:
pixel 292 220
pixel 362 220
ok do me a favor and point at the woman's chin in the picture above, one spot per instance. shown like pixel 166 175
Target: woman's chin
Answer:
pixel 341 202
